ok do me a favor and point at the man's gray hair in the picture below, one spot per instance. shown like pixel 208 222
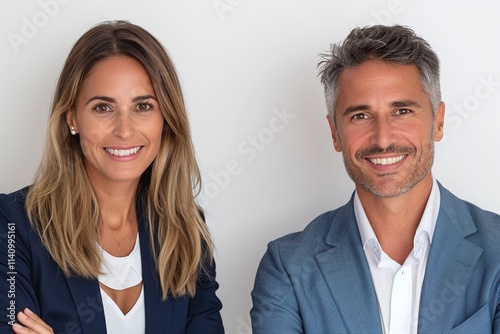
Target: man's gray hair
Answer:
pixel 392 44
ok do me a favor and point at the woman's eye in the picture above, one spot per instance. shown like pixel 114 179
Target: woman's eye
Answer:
pixel 102 108
pixel 144 106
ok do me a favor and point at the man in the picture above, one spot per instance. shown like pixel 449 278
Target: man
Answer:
pixel 404 254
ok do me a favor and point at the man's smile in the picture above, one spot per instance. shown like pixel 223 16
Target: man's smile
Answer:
pixel 387 161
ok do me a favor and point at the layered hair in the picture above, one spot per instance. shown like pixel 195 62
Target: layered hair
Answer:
pixel 64 208
pixel 396 44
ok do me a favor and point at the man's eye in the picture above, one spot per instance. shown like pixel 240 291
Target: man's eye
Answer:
pixel 403 111
pixel 359 116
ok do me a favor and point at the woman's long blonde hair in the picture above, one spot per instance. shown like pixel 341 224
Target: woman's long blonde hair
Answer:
pixel 62 204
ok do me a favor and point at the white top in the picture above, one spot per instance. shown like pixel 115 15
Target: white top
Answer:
pixel 134 322
pixel 120 273
pixel 398 287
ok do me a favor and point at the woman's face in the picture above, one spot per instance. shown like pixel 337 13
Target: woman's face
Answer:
pixel 118 120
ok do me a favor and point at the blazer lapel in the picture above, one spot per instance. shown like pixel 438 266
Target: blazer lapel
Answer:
pixel 452 259
pixel 158 312
pixel 87 298
pixel 347 274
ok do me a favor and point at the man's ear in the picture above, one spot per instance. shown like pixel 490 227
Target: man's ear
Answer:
pixel 335 134
pixel 439 122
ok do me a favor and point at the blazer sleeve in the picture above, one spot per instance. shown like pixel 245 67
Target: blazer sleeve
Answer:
pixel 275 308
pixel 203 314
pixel 16 288
pixel 496 323
pixel 204 308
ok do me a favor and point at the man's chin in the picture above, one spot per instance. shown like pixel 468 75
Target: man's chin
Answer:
pixel 388 189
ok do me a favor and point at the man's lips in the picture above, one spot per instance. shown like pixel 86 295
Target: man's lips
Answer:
pixel 387 161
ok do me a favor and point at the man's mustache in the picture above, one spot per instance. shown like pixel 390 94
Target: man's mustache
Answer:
pixel 375 149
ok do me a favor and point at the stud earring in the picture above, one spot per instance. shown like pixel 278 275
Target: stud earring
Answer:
pixel 73 131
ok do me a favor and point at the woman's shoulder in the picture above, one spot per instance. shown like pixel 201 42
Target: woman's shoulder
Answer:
pixel 12 207
pixel 15 199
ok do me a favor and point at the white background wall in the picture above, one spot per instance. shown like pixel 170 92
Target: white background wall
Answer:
pixel 242 63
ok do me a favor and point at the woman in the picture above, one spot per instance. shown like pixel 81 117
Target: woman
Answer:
pixel 109 237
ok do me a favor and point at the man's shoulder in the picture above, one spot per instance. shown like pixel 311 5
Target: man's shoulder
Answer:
pixel 478 225
pixel 459 208
pixel 314 234
pixel 479 214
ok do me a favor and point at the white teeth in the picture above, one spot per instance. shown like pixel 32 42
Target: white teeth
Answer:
pixel 387 161
pixel 123 153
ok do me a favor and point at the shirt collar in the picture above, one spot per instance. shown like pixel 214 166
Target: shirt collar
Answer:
pixel 429 218
pixel 424 230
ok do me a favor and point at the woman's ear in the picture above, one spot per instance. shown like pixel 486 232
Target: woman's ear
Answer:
pixel 70 120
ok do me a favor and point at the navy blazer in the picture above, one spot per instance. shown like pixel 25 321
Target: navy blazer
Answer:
pixel 29 277
pixel 318 280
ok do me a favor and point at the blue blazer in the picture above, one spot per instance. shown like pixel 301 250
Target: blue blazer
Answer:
pixel 318 280
pixel 29 277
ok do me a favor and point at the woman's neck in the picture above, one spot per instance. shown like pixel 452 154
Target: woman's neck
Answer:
pixel 117 204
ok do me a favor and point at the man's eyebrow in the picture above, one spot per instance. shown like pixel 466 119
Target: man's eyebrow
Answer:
pixel 405 103
pixel 395 104
pixel 355 108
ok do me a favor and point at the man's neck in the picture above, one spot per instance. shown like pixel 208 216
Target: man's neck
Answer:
pixel 395 220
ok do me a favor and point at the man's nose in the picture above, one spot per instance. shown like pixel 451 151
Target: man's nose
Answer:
pixel 383 132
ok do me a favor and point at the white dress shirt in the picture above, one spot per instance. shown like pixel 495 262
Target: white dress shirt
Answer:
pixel 398 287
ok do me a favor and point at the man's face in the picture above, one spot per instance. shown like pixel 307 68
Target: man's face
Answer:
pixel 385 127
